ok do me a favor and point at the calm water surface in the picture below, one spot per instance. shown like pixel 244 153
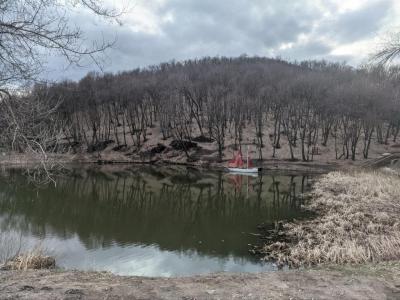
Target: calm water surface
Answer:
pixel 150 221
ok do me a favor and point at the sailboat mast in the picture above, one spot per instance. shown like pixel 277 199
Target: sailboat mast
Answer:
pixel 247 156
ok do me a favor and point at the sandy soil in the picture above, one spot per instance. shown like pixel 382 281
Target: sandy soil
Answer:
pixel 383 282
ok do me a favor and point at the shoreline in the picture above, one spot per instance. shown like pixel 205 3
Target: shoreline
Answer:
pixel 269 166
pixel 378 281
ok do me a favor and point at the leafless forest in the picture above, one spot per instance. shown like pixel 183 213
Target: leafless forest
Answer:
pixel 309 104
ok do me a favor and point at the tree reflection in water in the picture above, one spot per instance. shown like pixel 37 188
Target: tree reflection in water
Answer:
pixel 176 209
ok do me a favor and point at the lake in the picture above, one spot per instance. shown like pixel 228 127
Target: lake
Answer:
pixel 146 220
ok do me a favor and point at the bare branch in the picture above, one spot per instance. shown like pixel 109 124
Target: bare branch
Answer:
pixel 389 50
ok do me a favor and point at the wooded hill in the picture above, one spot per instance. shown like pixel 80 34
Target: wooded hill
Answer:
pixel 308 104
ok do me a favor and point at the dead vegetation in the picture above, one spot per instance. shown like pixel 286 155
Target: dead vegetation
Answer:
pixel 14 255
pixel 358 222
pixel 35 260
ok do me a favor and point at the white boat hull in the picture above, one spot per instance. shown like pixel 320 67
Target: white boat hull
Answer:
pixel 244 170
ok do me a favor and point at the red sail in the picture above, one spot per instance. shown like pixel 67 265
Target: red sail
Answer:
pixel 237 161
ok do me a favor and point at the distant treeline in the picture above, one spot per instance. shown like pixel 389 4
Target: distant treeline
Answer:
pixel 307 103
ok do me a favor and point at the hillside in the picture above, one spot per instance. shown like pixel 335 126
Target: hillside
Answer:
pixel 201 111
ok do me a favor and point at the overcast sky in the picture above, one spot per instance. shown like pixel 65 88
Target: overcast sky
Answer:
pixel 155 31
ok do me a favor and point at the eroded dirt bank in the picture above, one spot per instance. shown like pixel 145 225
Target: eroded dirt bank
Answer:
pixel 379 282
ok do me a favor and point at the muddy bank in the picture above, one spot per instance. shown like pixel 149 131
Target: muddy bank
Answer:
pixel 200 154
pixel 270 166
pixel 381 282
pixel 198 151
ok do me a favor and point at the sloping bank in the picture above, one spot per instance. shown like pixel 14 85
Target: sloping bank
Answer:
pixel 357 221
pixel 379 282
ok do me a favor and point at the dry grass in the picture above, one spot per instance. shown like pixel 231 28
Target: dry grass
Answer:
pixel 35 259
pixel 358 222
pixel 11 247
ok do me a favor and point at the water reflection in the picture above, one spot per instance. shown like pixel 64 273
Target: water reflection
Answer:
pixel 148 220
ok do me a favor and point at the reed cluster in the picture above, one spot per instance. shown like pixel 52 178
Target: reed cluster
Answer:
pixel 357 221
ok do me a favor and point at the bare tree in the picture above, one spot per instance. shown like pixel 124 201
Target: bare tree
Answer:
pixel 29 31
pixel 307 103
pixel 390 49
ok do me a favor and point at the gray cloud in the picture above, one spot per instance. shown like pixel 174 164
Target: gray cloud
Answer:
pixel 310 50
pixel 356 25
pixel 230 28
pixel 227 21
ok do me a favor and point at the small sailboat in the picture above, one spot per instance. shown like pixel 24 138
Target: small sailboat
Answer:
pixel 237 165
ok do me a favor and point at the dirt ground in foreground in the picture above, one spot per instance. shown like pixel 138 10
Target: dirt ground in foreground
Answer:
pixel 380 283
